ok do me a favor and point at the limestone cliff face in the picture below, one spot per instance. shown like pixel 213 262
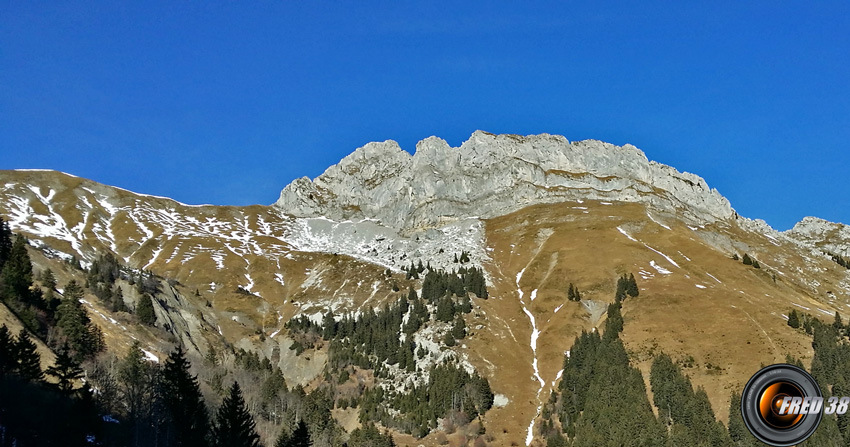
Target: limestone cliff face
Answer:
pixel 830 236
pixel 492 175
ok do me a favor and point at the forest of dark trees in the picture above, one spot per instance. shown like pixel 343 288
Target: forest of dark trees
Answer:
pixel 380 341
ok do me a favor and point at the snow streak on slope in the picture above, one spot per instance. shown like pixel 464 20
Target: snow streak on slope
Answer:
pixel 535 334
pixel 369 241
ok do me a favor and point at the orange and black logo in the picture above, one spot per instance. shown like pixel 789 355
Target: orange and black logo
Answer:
pixel 782 405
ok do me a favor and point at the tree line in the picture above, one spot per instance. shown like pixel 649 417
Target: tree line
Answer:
pixel 379 341
pixel 602 400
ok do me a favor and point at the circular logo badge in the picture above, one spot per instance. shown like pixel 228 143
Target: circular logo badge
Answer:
pixel 764 413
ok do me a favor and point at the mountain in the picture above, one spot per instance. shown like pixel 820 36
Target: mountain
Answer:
pixel 536 213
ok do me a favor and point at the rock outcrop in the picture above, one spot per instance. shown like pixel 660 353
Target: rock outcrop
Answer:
pixel 818 233
pixel 492 175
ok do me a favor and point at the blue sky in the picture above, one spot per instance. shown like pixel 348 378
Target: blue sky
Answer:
pixel 219 102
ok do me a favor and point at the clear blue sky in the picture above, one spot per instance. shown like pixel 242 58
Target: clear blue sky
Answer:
pixel 226 103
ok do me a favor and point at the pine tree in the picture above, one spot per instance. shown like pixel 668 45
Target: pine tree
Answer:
pixel 328 325
pixel 741 437
pixel 614 322
pixel 632 287
pixel 299 438
pixel 184 403
pixel 5 242
pixel 66 370
pixel 459 328
pixel 449 340
pixel 747 259
pixel 622 286
pixel 16 277
pixel 756 264
pixel 144 310
pixel 794 319
pixel 48 279
pixel 83 337
pixel 837 324
pixel 28 359
pixel 234 426
pixel 8 359
pixel 135 382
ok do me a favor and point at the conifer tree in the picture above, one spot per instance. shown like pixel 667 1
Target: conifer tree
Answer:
pixel 144 310
pixel 234 426
pixel 5 242
pixel 299 438
pixel 16 277
pixel 747 259
pixel 614 322
pixel 83 338
pixel 459 328
pixel 449 340
pixel 622 286
pixel 794 319
pixel 739 434
pixel 632 287
pixel 135 382
pixel 48 279
pixel 66 370
pixel 28 359
pixel 8 359
pixel 184 403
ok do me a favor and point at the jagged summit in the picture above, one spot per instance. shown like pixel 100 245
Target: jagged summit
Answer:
pixel 831 236
pixel 491 175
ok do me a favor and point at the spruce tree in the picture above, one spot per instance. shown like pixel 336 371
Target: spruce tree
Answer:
pixel 144 310
pixel 134 377
pixel 741 437
pixel 459 328
pixel 622 286
pixel 66 370
pixel 299 438
pixel 449 340
pixel 794 319
pixel 184 403
pixel 234 426
pixel 747 259
pixel 48 279
pixel 28 359
pixel 632 287
pixel 5 242
pixel 16 277
pixel 83 337
pixel 8 359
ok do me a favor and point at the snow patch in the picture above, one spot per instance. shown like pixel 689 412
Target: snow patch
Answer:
pixel 654 220
pixel 660 269
pixel 151 356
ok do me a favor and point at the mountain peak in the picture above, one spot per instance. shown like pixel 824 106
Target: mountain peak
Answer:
pixel 491 175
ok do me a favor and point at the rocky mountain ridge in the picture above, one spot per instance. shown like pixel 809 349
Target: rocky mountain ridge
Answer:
pixel 493 175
